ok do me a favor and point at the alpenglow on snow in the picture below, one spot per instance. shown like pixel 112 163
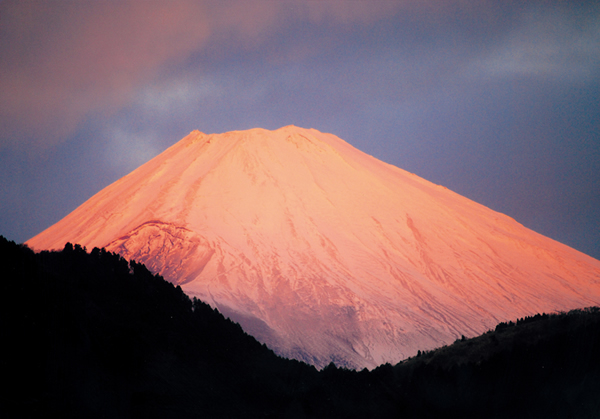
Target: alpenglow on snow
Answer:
pixel 323 252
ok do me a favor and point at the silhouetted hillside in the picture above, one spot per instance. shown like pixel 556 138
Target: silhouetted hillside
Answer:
pixel 92 335
pixel 542 366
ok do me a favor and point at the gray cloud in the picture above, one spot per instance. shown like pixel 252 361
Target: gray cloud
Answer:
pixel 559 42
pixel 64 62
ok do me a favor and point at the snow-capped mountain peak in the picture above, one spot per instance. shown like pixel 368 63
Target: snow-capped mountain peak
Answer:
pixel 323 252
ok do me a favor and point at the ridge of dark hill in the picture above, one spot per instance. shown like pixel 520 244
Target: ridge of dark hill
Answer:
pixel 92 335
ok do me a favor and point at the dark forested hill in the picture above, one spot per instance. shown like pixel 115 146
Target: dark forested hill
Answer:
pixel 92 335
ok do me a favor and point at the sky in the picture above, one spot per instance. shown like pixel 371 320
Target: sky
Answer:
pixel 498 101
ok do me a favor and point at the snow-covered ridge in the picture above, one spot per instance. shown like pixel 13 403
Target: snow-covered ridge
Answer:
pixel 323 252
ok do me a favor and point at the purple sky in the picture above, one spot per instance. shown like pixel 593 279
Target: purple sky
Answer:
pixel 496 100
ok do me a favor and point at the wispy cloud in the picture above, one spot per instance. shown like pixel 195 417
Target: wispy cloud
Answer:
pixel 177 92
pixel 557 42
pixel 126 149
pixel 63 62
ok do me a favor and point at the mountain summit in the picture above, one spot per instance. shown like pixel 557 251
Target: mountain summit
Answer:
pixel 323 252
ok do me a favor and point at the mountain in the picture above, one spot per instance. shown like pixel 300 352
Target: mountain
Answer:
pixel 323 252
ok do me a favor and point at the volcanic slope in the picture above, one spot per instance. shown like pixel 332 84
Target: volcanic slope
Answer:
pixel 323 252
